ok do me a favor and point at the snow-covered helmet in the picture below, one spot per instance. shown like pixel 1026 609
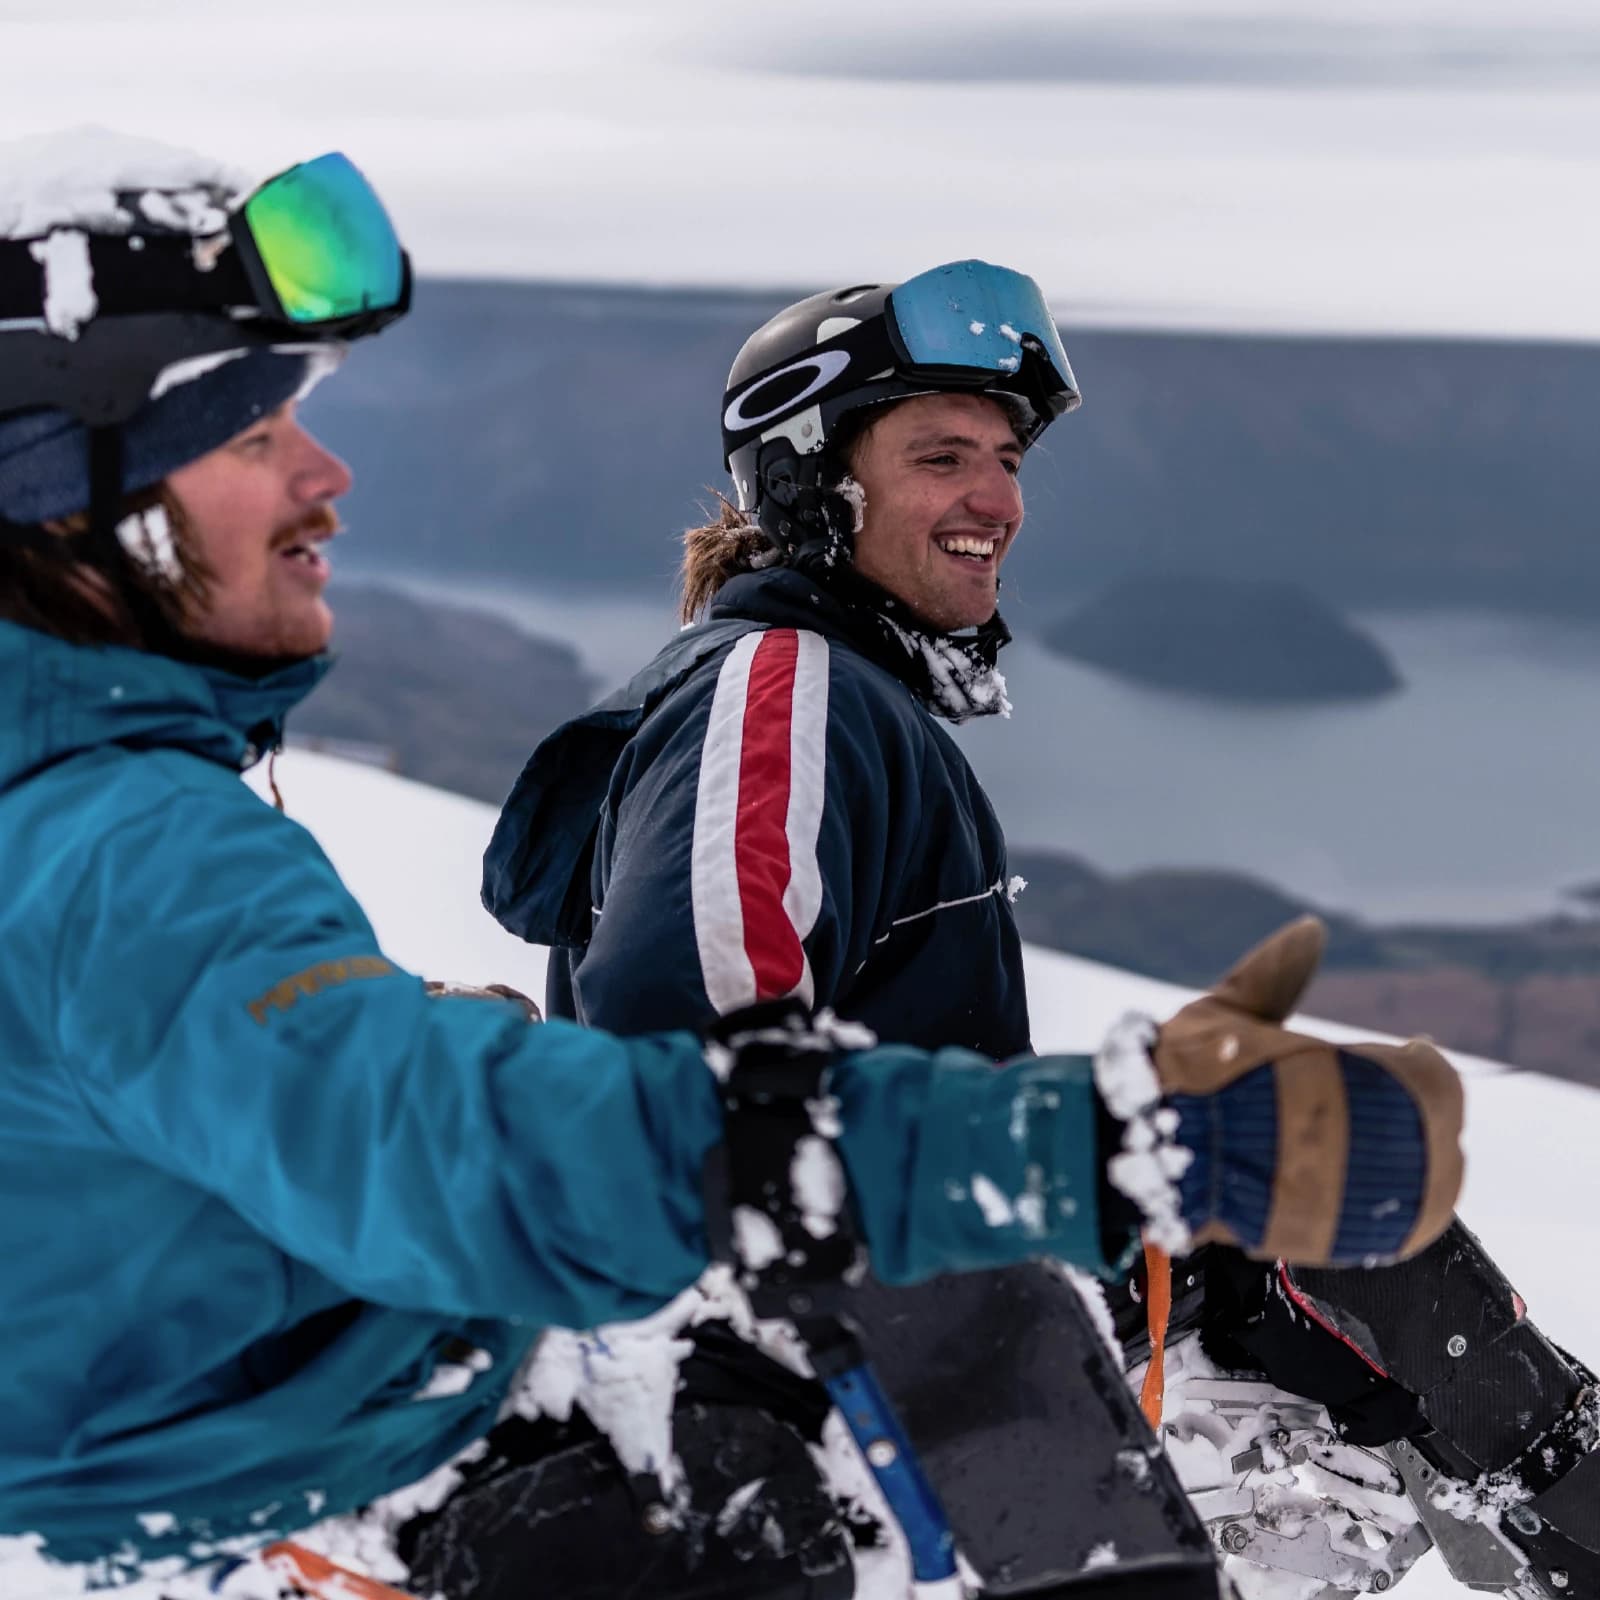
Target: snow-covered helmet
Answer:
pixel 966 327
pixel 152 310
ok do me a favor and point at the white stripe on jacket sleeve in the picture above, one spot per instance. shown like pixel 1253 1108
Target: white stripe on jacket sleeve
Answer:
pixel 766 738
pixel 730 980
pixel 808 759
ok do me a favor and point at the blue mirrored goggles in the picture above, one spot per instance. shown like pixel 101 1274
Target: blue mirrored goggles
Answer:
pixel 971 317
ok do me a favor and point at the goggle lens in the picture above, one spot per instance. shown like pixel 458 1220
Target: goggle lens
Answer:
pixel 325 242
pixel 974 316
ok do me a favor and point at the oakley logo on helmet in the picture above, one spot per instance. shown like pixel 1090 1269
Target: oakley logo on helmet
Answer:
pixel 775 393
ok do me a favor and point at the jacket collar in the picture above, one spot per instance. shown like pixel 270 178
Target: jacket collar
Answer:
pixel 952 675
pixel 58 698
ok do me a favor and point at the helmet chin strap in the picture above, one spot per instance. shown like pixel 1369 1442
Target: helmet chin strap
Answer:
pixel 104 549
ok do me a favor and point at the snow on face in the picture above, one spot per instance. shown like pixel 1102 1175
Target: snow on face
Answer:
pixel 147 538
pixel 82 177
pixel 855 497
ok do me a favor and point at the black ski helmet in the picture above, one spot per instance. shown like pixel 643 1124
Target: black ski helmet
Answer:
pixel 183 275
pixel 159 322
pixel 966 327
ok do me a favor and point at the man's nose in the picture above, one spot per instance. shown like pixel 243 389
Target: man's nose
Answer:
pixel 319 474
pixel 995 495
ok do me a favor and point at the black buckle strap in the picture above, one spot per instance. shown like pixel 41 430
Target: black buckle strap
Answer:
pixel 776 1205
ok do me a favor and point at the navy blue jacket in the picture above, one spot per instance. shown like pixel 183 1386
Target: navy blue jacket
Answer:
pixel 766 809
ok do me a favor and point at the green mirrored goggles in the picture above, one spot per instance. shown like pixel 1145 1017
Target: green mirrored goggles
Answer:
pixel 320 251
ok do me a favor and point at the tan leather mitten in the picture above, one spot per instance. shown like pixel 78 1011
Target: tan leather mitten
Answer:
pixel 1367 1144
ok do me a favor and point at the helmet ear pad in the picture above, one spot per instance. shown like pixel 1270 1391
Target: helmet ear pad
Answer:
pixel 800 506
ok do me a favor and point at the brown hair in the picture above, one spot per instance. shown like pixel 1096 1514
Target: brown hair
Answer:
pixel 46 589
pixel 716 551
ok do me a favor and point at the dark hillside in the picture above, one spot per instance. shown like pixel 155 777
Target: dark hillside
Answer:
pixel 549 431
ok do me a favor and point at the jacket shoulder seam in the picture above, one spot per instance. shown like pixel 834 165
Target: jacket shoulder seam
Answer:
pixel 166 790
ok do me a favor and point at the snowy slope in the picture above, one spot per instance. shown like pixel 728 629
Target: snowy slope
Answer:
pixel 412 856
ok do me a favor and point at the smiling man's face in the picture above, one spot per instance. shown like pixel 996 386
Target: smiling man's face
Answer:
pixel 939 473
pixel 258 511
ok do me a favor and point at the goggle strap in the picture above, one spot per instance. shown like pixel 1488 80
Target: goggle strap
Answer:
pixel 159 275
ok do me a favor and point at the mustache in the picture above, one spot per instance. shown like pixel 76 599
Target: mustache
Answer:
pixel 321 521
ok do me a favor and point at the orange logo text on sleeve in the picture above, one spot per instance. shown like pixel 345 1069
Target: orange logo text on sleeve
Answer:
pixel 324 975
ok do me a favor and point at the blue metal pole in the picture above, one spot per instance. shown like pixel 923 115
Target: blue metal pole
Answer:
pixel 841 1364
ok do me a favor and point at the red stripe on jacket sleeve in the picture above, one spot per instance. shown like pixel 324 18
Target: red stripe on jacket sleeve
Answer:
pixel 761 837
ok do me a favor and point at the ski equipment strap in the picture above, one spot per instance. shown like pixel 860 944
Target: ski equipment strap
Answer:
pixel 775 1187
pixel 1158 1312
pixel 323 1579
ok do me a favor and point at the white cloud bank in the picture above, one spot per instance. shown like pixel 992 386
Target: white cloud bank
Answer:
pixel 1409 166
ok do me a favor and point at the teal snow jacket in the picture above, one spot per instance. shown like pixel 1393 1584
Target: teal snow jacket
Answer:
pixel 259 1194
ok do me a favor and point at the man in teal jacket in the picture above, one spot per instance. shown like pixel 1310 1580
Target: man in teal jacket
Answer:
pixel 278 1226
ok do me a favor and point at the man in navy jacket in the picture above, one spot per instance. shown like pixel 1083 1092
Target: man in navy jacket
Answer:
pixel 770 808
pixel 780 811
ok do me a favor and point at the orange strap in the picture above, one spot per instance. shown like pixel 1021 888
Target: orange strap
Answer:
pixel 322 1579
pixel 272 778
pixel 1158 1311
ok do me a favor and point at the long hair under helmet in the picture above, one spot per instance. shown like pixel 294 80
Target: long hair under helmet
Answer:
pixel 143 324
pixel 967 327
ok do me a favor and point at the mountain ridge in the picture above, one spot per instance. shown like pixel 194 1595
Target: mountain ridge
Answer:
pixel 569 433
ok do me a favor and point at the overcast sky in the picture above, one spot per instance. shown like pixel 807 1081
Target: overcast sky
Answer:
pixel 1390 165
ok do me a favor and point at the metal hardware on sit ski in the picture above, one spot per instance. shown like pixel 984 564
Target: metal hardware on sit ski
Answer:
pixel 1474 1552
pixel 1345 1516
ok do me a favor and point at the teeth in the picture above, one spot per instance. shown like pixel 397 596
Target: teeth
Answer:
pixel 969 547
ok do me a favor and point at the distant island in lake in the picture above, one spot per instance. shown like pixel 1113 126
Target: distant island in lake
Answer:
pixel 1238 639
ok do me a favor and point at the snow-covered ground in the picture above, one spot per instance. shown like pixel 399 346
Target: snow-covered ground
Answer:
pixel 412 856
pixel 1388 165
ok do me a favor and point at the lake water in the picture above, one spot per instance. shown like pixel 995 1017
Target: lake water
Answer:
pixel 1472 795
